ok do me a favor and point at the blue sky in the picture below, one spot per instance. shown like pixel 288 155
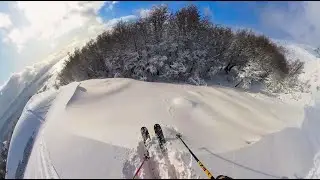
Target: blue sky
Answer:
pixel 29 31
pixel 232 14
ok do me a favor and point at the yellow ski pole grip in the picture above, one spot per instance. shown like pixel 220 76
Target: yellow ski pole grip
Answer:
pixel 205 170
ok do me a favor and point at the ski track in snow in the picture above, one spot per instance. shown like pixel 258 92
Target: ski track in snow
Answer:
pixel 46 170
pixel 169 164
pixel 50 172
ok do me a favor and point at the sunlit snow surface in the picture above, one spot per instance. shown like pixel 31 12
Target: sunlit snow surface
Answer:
pixel 91 129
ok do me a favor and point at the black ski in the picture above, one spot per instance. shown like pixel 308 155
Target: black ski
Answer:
pixel 162 143
pixel 160 136
pixel 146 139
pixel 145 134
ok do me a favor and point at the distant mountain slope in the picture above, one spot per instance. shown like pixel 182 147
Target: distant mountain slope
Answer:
pixel 310 77
pixel 16 92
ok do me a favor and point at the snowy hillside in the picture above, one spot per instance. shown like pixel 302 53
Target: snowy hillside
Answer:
pixel 92 130
pixel 310 75
pixel 16 92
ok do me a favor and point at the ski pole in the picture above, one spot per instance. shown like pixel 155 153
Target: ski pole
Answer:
pixel 138 170
pixel 195 157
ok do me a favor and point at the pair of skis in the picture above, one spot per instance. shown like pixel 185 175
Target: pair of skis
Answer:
pixel 159 134
pixel 146 139
pixel 158 131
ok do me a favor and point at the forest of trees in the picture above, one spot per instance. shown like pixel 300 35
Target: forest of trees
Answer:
pixel 182 47
pixel 3 159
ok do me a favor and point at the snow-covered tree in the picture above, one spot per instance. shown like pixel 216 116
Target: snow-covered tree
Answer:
pixel 3 159
pixel 181 47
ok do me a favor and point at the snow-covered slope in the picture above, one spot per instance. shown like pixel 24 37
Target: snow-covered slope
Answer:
pixel 92 130
pixel 311 71
pixel 304 95
pixel 16 92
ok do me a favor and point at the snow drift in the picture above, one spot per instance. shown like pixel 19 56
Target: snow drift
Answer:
pixel 91 129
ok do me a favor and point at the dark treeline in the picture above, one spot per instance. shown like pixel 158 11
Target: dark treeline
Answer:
pixel 181 47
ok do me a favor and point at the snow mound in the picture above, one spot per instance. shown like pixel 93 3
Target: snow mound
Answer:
pixel 91 129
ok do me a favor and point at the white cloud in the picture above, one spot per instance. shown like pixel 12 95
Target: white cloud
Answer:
pixel 300 20
pixel 53 19
pixel 5 21
pixel 144 12
pixel 37 29
pixel 207 12
pixel 110 7
pixel 112 22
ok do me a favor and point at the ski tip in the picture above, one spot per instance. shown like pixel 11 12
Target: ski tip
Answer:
pixel 178 135
pixel 143 128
